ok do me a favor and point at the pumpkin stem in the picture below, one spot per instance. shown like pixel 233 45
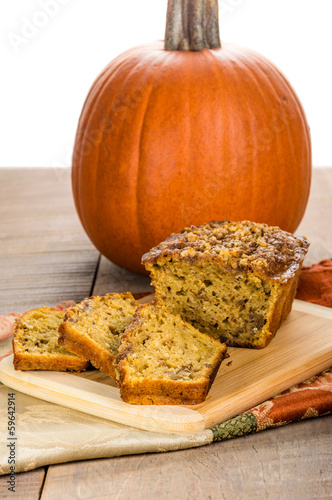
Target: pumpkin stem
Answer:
pixel 192 25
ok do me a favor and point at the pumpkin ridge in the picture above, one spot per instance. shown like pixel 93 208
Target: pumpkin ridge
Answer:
pixel 166 56
pixel 188 135
pixel 194 218
pixel 258 74
pixel 302 114
pixel 305 156
pixel 253 164
pixel 93 173
pixel 95 92
pixel 287 128
pixel 275 139
pixel 76 185
pixel 254 150
pixel 212 58
pixel 232 69
pixel 90 102
pixel 290 88
pixel 128 76
pixel 186 139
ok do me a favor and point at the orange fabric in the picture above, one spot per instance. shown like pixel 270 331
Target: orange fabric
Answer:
pixel 311 398
pixel 315 283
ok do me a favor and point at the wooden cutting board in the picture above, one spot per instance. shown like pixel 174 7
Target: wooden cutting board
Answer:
pixel 301 349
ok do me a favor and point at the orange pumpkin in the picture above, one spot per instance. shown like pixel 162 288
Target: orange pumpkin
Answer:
pixel 185 134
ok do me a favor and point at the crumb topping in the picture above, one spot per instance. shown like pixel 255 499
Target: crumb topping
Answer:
pixel 238 246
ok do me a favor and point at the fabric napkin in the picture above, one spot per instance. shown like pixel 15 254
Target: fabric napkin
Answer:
pixel 315 283
pixel 49 434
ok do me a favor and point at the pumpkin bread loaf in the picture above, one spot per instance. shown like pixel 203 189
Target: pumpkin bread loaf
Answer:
pixel 92 328
pixel 164 360
pixel 35 343
pixel 233 280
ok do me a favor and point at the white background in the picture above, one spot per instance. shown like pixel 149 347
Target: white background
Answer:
pixel 46 74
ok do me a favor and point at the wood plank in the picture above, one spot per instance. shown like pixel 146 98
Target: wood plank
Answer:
pixel 28 486
pixel 112 278
pixel 45 255
pixel 291 462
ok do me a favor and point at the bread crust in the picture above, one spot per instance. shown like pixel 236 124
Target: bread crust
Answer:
pixel 87 349
pixel 237 246
pixel 56 363
pixel 166 393
pixel 83 345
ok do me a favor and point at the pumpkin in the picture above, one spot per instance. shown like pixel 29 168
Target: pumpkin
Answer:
pixel 184 133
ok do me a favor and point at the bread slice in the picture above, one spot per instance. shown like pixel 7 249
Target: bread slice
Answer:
pixel 35 343
pixel 92 328
pixel 164 361
pixel 233 280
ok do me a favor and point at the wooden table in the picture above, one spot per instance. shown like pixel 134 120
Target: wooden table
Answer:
pixel 45 258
